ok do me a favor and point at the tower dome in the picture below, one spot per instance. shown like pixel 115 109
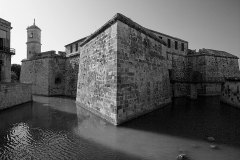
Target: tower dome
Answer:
pixel 33 40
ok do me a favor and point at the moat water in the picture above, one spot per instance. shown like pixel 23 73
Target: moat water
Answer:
pixel 55 128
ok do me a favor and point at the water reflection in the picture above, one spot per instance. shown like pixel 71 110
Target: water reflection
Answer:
pixel 162 134
pixel 55 128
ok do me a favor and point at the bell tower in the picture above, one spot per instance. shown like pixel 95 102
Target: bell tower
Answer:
pixel 33 40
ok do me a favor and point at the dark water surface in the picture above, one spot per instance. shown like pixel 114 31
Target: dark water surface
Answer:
pixel 55 128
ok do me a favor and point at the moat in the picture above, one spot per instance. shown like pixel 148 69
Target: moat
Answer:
pixel 55 128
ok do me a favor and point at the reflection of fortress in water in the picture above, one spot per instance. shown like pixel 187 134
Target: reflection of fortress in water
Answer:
pixel 124 70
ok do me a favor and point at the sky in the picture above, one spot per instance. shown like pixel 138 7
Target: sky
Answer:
pixel 213 24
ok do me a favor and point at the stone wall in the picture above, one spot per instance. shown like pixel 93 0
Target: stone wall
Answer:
pixel 71 75
pixel 56 76
pixel 142 73
pixel 97 78
pixel 122 71
pixel 196 68
pixel 35 72
pixel 179 68
pixel 12 94
pixel 231 93
pixel 218 68
pixel 209 68
pixel 45 73
pixel 178 73
pixel 177 63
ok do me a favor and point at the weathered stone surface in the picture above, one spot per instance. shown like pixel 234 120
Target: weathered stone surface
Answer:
pixel 97 78
pixel 56 76
pixel 122 73
pixel 45 73
pixel 209 68
pixel 71 75
pixel 212 66
pixel 177 63
pixel 35 72
pixel 12 94
pixel 142 74
pixel 231 92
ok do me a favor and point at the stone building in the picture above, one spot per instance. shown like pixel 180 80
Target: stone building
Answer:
pixel 72 67
pixel 124 70
pixel 209 68
pixel 44 70
pixel 50 74
pixel 11 94
pixel 177 50
pixel 5 51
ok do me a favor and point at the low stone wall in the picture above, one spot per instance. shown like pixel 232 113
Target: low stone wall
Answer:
pixel 12 94
pixel 231 93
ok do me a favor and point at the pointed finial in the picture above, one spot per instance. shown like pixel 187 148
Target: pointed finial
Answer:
pixel 34 22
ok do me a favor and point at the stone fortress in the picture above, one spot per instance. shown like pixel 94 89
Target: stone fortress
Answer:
pixel 124 70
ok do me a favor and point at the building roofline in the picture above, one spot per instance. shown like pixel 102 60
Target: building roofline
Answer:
pixel 126 20
pixel 79 40
pixel 5 23
pixel 167 35
pixel 33 27
pixel 225 54
pixel 205 52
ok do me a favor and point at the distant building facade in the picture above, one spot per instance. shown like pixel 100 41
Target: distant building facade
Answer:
pixel 5 51
pixel 11 94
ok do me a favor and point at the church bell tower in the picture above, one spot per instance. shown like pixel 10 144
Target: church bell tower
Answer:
pixel 33 40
